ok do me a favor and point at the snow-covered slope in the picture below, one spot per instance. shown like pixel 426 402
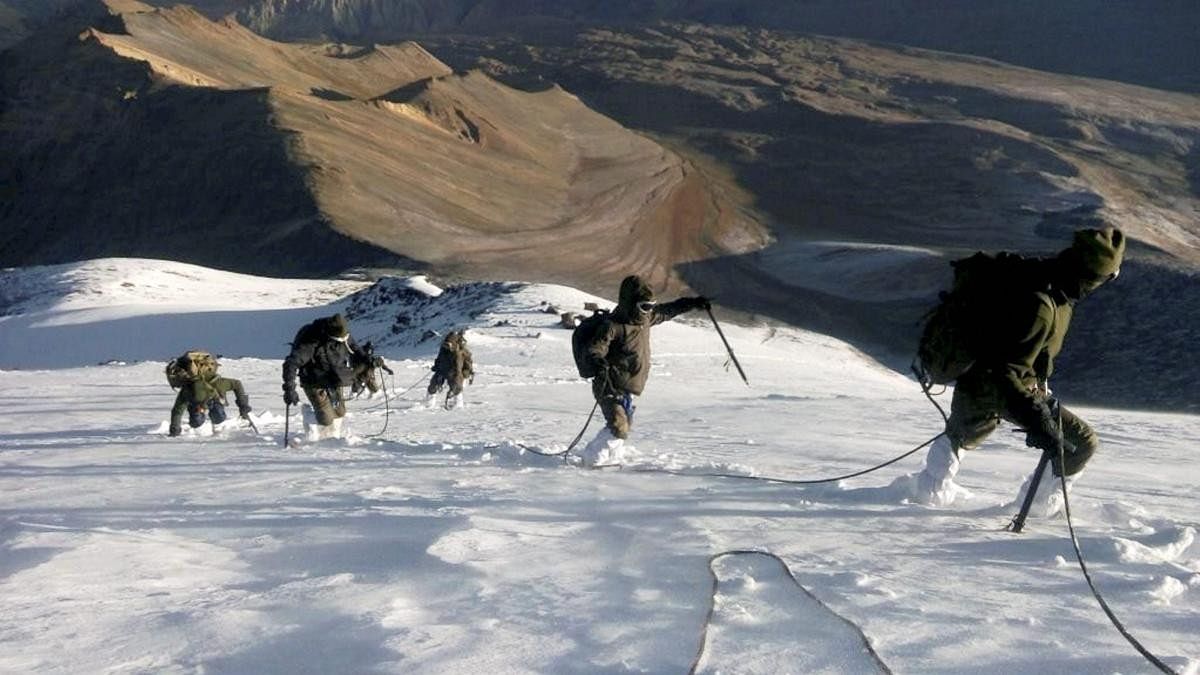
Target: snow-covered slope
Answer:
pixel 443 546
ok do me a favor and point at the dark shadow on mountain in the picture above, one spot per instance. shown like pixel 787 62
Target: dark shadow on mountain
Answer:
pixel 408 92
pixel 1123 41
pixel 103 159
pixel 1038 117
pixel 1193 169
pixel 1133 343
pixel 330 94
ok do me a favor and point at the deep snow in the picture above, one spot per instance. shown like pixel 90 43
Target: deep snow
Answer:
pixel 443 547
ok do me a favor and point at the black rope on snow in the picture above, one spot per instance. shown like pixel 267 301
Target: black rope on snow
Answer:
pixel 411 386
pixel 397 396
pixel 387 409
pixel 785 481
pixel 571 446
pixel 712 604
pixel 1157 662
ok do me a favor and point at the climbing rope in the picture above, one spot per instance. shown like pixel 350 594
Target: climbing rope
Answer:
pixel 395 396
pixel 927 387
pixel 387 409
pixel 712 603
pixel 785 481
pixel 571 446
pixel 1157 662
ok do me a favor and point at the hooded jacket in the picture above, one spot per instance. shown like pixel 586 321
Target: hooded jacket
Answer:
pixel 453 360
pixel 620 349
pixel 1037 323
pixel 318 358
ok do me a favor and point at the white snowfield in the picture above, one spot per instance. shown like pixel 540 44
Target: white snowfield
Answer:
pixel 442 546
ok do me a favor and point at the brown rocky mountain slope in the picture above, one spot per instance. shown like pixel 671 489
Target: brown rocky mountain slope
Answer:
pixel 160 132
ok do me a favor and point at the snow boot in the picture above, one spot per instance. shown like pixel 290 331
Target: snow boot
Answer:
pixel 603 450
pixel 455 402
pixel 935 484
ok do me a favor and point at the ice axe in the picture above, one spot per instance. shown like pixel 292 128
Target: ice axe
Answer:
pixel 729 349
pixel 1018 521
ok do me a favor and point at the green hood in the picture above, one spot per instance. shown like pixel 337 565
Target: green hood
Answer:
pixel 633 291
pixel 1094 257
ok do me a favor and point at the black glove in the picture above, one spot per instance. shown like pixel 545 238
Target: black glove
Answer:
pixel 174 431
pixel 1046 434
pixel 701 302
pixel 290 397
pixel 603 378
pixel 244 410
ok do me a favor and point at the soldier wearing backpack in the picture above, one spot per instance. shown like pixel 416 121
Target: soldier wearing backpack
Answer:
pixel 1002 361
pixel 452 367
pixel 202 391
pixel 322 356
pixel 365 363
pixel 618 354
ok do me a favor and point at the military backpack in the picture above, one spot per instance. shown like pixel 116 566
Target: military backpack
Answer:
pixel 191 366
pixel 963 326
pixel 583 334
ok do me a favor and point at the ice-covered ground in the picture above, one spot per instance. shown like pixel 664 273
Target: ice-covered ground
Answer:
pixel 443 547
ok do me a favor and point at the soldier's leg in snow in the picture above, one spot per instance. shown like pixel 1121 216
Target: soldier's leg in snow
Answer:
pixel 615 418
pixel 972 418
pixel 337 397
pixel 435 384
pixel 196 415
pixel 322 406
pixel 456 385
pixel 216 410
pixel 1047 501
pixel 454 396
pixel 1079 434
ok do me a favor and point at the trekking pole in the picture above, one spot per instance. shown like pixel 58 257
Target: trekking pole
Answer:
pixel 727 347
pixel 287 419
pixel 253 426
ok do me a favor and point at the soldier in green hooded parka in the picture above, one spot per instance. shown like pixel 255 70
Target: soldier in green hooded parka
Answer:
pixel 1010 381
pixel 620 355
